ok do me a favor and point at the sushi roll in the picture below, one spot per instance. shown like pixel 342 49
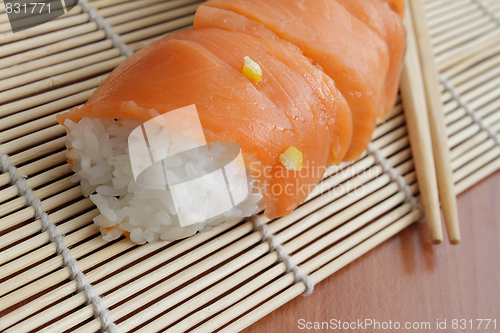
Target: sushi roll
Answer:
pixel 289 126
pixel 231 117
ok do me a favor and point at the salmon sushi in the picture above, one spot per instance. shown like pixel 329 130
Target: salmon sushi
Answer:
pixel 294 109
pixel 240 114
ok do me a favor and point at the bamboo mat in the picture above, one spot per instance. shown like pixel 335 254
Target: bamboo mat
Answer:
pixel 227 278
pixel 466 43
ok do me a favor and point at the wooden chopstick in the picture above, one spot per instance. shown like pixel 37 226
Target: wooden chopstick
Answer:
pixel 437 123
pixel 417 120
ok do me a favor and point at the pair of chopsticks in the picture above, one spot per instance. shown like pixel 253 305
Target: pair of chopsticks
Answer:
pixel 426 127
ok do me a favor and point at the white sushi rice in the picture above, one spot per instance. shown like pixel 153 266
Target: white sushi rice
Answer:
pixel 98 149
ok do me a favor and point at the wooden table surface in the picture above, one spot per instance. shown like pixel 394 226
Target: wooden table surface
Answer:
pixel 407 279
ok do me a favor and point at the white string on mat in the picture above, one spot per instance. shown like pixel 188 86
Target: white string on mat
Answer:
pixel 267 236
pixel 470 111
pixel 488 11
pixel 395 176
pixel 107 28
pixel 47 226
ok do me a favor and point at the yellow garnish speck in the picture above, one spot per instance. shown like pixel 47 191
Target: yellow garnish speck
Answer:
pixel 252 70
pixel 292 159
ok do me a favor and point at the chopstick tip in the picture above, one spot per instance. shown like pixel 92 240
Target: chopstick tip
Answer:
pixel 437 241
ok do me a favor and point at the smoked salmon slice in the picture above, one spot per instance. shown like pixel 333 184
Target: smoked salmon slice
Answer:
pixel 388 25
pixel 294 105
pixel 348 51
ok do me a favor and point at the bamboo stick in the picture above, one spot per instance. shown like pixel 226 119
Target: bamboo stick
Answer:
pixel 28 128
pixel 45 111
pixel 467 50
pixel 393 124
pixel 490 111
pixel 47 204
pixel 470 35
pixel 34 257
pixel 159 13
pixel 62 67
pixel 330 209
pixel 472 25
pixel 394 136
pixel 442 158
pixel 189 273
pixel 476 164
pixel 445 10
pixel 413 95
pixel 461 137
pixel 107 3
pixel 37 181
pixel 477 70
pixel 473 153
pixel 478 176
pixel 4 27
pixel 41 150
pixel 157 29
pixel 432 5
pixel 61 79
pixel 34 167
pixel 476 98
pixel 480 72
pixel 23 290
pixel 480 95
pixel 51 96
pixel 451 14
pixel 13 252
pixel 56 48
pixel 472 141
pixel 485 87
pixel 42 193
pixel 155 19
pixel 462 18
pixel 471 61
pixel 52 37
pixel 485 99
pixel 133 6
pixel 448 27
pixel 33 139
pixel 55 25
pixel 352 171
